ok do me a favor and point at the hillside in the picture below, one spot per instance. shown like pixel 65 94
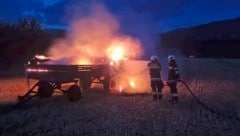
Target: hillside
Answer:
pixel 216 39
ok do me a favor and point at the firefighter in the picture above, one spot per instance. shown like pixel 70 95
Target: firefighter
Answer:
pixel 155 77
pixel 173 77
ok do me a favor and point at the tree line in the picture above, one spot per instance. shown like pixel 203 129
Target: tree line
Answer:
pixel 21 41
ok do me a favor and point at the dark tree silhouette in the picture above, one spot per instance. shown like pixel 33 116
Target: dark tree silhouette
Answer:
pixel 20 41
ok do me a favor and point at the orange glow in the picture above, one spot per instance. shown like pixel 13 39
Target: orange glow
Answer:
pixel 37 70
pixel 120 89
pixel 133 77
pixel 83 61
pixel 132 84
pixel 41 57
pixel 117 54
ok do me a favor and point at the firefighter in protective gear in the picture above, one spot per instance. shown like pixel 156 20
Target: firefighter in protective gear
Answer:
pixel 155 77
pixel 173 77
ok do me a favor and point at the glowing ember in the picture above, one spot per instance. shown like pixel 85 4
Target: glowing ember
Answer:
pixel 132 84
pixel 41 57
pixel 120 89
pixel 83 61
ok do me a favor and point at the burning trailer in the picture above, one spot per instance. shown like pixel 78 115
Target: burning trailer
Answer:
pixel 96 35
pixel 112 74
pixel 51 77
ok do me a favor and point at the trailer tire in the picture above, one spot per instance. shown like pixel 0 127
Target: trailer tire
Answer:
pixel 112 83
pixel 107 85
pixel 45 89
pixel 74 93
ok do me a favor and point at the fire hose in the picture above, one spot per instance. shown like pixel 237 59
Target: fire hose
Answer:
pixel 207 107
pixel 200 102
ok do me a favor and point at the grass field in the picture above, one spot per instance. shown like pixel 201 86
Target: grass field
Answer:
pixel 215 82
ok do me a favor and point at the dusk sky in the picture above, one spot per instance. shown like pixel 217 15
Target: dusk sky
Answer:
pixel 161 15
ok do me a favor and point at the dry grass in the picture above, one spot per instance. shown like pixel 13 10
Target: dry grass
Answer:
pixel 214 82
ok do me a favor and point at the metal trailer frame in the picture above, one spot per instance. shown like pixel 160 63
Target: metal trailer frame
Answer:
pixel 51 77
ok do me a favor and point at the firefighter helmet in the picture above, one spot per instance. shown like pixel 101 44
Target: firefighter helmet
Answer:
pixel 171 57
pixel 154 58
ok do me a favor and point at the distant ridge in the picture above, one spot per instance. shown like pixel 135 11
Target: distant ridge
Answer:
pixel 216 39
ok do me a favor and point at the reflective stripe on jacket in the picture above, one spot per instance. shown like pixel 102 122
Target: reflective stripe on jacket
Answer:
pixel 173 72
pixel 154 70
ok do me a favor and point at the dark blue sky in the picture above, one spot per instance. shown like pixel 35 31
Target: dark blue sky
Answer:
pixel 160 15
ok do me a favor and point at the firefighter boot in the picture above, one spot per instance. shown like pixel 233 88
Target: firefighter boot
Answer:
pixel 154 97
pixel 159 97
pixel 174 100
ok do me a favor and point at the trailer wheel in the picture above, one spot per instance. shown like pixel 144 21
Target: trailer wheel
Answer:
pixel 108 85
pixel 74 93
pixel 86 83
pixel 45 89
pixel 112 83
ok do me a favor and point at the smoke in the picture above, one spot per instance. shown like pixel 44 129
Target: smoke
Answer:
pixel 97 34
pixel 92 36
pixel 139 18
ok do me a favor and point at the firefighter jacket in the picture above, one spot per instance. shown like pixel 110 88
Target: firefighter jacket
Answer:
pixel 173 72
pixel 154 68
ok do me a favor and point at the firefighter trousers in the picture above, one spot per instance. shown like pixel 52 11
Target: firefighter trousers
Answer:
pixel 173 90
pixel 157 89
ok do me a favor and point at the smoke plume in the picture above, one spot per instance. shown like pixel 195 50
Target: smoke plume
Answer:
pixel 97 34
pixel 93 36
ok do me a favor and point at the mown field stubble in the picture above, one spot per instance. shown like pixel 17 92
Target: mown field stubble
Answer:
pixel 215 82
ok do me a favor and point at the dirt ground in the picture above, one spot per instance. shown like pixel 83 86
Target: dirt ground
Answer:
pixel 214 82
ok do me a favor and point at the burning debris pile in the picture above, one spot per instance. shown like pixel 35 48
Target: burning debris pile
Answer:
pixel 96 39
pixel 132 77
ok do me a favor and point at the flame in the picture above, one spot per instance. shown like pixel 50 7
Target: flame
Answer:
pixel 117 54
pixel 83 61
pixel 133 77
pixel 41 57
pixel 120 89
pixel 132 84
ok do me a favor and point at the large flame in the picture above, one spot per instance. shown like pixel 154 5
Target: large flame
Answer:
pixel 132 77
pixel 117 54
